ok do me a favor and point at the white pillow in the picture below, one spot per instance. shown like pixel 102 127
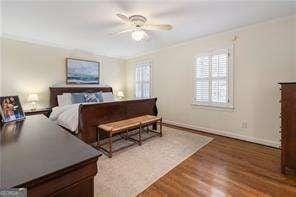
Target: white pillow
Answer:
pixel 107 96
pixel 64 99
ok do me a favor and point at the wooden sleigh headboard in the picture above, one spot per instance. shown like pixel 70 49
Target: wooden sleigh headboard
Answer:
pixel 55 91
pixel 92 115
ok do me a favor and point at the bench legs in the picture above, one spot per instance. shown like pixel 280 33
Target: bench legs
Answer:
pixel 126 136
pixel 140 136
pixel 99 143
pixel 160 127
pixel 110 145
pixel 109 150
pixel 98 137
pixel 154 125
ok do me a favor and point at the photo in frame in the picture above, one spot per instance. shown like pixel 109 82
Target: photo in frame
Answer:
pixel 82 71
pixel 11 109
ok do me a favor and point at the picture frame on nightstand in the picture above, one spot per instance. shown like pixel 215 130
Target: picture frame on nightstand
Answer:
pixel 11 109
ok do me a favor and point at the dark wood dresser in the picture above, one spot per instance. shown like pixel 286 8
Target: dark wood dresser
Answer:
pixel 37 155
pixel 288 127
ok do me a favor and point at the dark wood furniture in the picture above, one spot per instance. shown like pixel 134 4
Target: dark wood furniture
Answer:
pixel 92 115
pixel 288 127
pixel 44 111
pixel 38 155
pixel 54 91
pixel 116 128
pixel 125 126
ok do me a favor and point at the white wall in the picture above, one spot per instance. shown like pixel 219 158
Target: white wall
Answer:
pixel 1 77
pixel 0 48
pixel 263 57
pixel 32 68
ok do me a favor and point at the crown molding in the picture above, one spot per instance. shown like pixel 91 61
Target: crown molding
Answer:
pixel 232 30
pixel 138 55
pixel 53 44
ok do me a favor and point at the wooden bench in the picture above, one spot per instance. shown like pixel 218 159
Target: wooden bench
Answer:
pixel 124 126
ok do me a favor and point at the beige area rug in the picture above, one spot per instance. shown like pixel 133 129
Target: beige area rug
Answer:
pixel 132 170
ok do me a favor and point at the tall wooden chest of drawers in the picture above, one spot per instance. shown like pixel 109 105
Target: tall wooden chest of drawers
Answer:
pixel 288 127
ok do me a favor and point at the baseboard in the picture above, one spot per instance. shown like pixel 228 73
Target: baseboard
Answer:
pixel 226 134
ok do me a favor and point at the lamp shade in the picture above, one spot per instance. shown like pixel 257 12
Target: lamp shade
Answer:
pixel 120 94
pixel 33 97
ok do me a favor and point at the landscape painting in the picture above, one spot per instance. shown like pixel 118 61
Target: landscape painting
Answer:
pixel 82 71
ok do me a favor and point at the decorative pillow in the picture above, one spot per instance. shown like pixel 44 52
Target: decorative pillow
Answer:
pixel 90 97
pixel 99 97
pixel 107 96
pixel 60 100
pixel 78 98
pixel 67 98
pixel 64 99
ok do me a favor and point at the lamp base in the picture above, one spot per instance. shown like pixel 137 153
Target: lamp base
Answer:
pixel 34 106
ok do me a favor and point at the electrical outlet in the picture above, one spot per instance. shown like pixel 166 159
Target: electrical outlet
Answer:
pixel 244 124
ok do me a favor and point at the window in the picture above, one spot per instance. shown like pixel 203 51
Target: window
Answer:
pixel 213 79
pixel 143 80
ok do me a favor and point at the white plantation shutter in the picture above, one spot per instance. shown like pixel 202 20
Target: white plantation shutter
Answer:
pixel 138 82
pixel 213 79
pixel 143 80
pixel 202 78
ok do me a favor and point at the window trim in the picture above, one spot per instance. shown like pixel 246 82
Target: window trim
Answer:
pixel 150 62
pixel 230 93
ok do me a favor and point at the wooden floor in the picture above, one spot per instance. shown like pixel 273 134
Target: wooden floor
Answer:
pixel 227 167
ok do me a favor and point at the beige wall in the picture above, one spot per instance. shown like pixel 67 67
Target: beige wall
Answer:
pixel 1 77
pixel 31 68
pixel 263 57
pixel 0 48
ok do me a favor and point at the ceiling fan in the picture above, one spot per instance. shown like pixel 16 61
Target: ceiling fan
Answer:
pixel 138 26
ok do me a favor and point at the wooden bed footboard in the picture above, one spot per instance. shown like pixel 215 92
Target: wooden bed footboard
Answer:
pixel 92 115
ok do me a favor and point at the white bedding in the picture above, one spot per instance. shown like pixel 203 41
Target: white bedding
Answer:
pixel 66 116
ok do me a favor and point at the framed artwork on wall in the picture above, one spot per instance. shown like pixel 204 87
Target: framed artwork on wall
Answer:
pixel 82 71
pixel 11 109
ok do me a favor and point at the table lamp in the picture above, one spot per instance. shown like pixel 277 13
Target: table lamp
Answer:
pixel 120 94
pixel 33 98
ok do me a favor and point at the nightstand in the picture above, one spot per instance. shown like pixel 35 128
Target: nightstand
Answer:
pixel 44 111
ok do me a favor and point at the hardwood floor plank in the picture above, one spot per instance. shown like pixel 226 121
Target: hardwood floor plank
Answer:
pixel 226 167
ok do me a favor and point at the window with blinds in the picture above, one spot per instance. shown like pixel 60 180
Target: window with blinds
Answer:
pixel 213 79
pixel 143 80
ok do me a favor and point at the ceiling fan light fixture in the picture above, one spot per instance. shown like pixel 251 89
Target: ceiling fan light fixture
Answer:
pixel 138 27
pixel 138 35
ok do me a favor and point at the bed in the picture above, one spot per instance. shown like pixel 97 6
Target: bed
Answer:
pixel 91 115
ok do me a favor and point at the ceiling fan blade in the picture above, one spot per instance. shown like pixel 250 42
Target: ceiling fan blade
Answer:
pixel 157 27
pixel 121 32
pixel 123 17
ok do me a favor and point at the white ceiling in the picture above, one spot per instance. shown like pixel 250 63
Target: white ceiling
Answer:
pixel 86 25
